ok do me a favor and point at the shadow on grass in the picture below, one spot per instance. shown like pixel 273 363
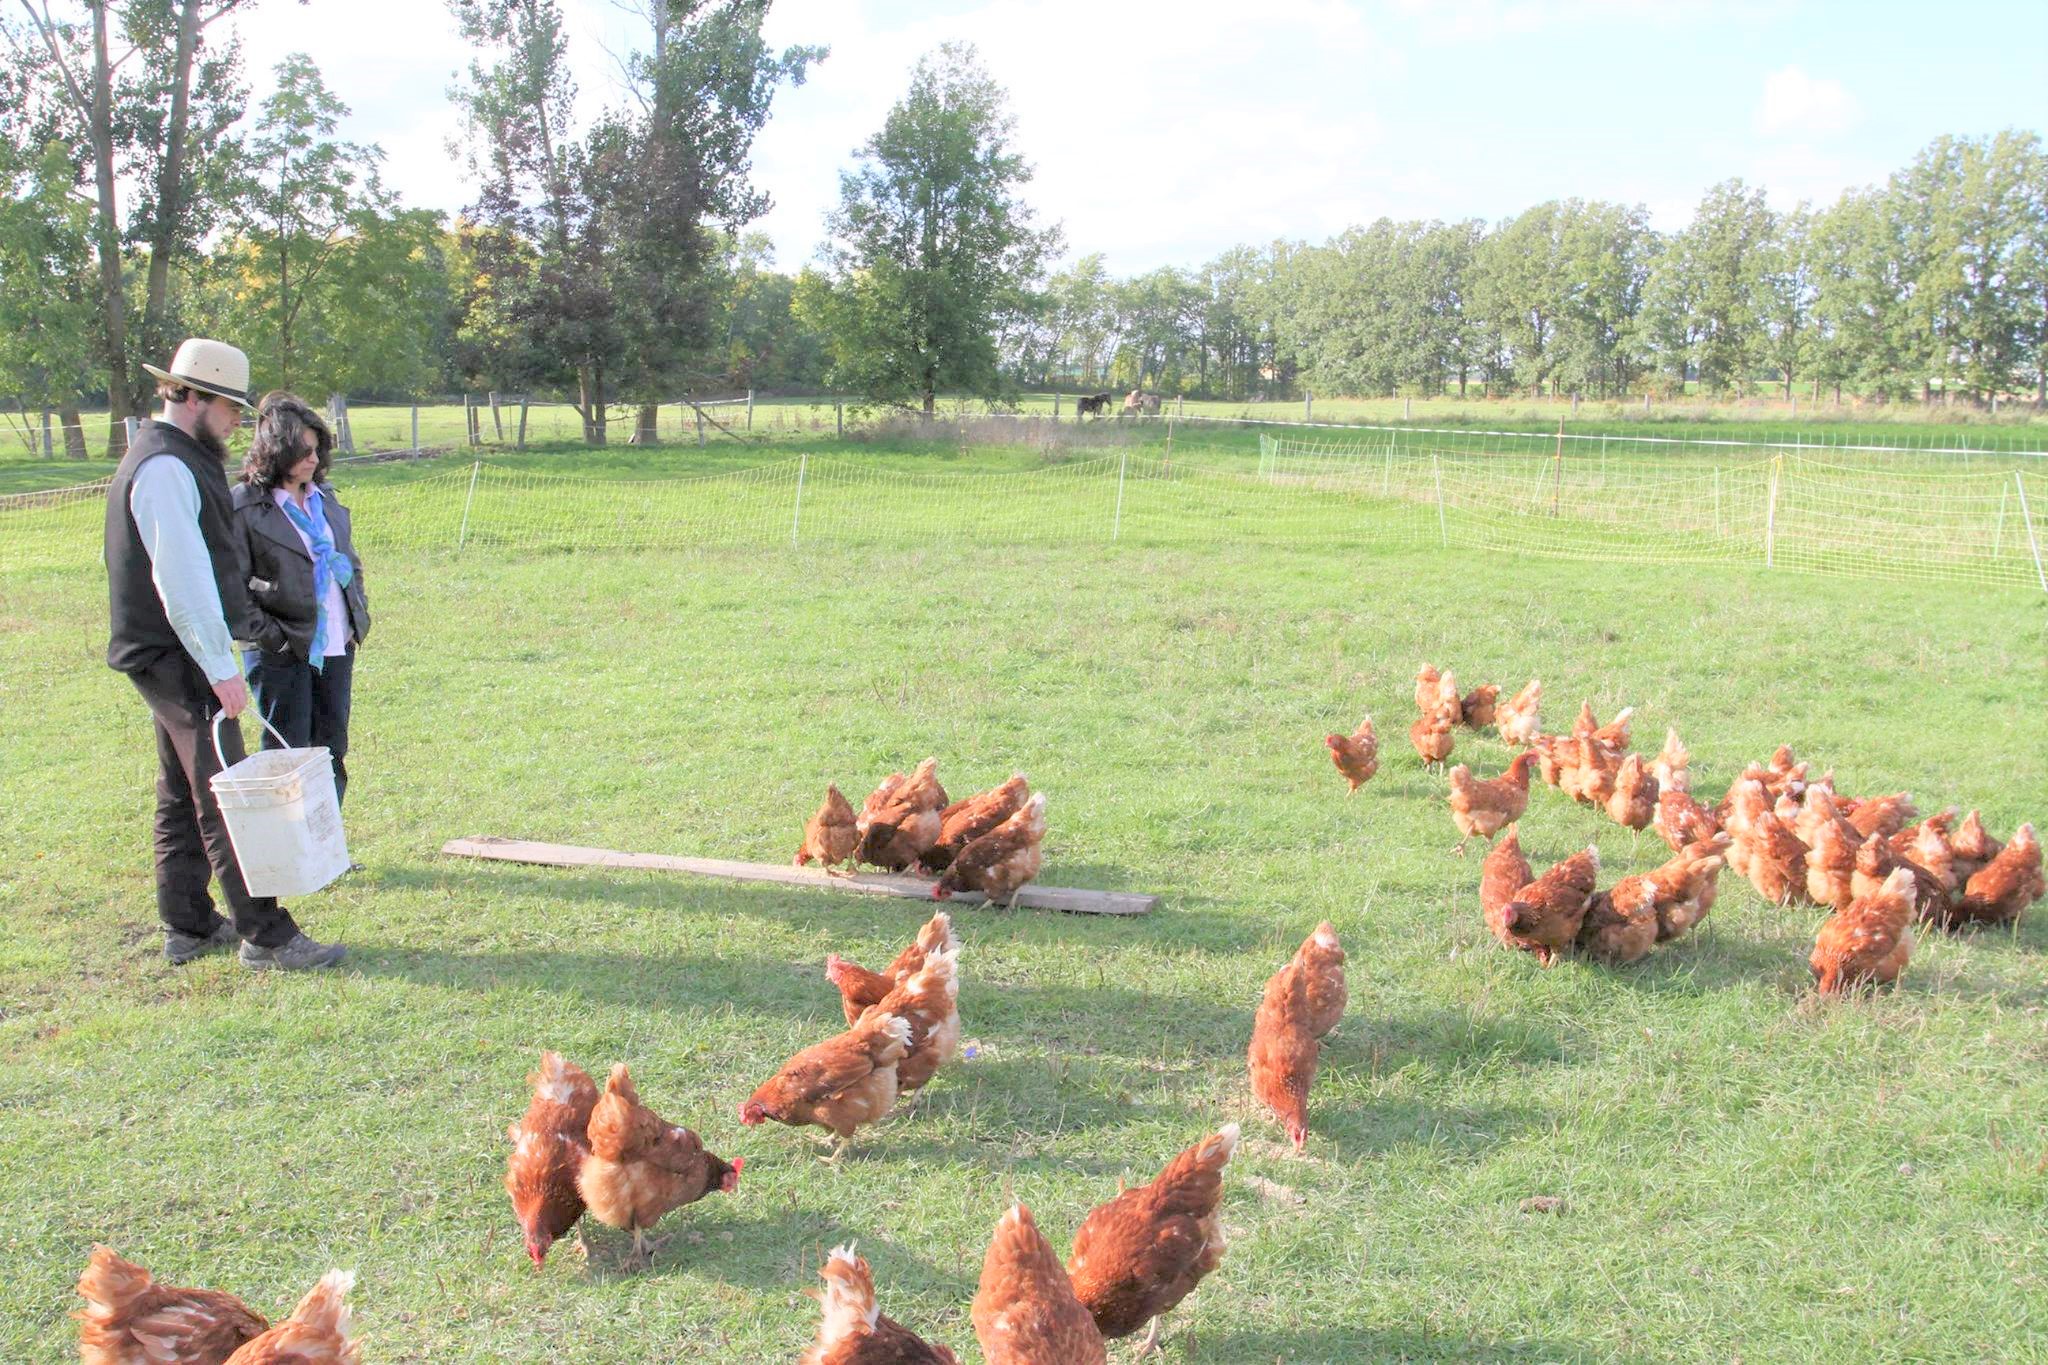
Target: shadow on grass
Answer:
pixel 1330 1345
pixel 767 1249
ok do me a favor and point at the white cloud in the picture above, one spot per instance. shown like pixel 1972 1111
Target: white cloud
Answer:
pixel 1797 104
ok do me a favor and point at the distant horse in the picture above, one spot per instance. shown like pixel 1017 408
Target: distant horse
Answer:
pixel 1138 403
pixel 1092 405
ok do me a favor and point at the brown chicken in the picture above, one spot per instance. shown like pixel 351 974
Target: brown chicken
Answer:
pixel 1867 941
pixel 1504 873
pixel 315 1334
pixel 1633 802
pixel 1557 757
pixel 1431 736
pixel 1480 707
pixel 930 999
pixel 1590 778
pixel 1140 1254
pixel 1518 718
pixel 2007 885
pixel 1480 807
pixel 961 823
pixel 1681 819
pixel 1002 860
pixel 1428 688
pixel 1927 850
pixel 1544 916
pixel 1613 736
pixel 1831 847
pixel 548 1149
pixel 1620 926
pixel 1937 824
pixel 1357 755
pixel 1687 886
pixel 1025 1312
pixel 1875 862
pixel 831 835
pixel 641 1167
pixel 1673 766
pixel 1776 859
pixel 130 1319
pixel 1303 1001
pixel 855 1331
pixel 840 1084
pixel 1971 847
pixel 1882 816
pixel 860 988
pixel 1784 776
pixel 901 822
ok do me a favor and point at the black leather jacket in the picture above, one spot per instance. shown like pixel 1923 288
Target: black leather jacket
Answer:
pixel 281 573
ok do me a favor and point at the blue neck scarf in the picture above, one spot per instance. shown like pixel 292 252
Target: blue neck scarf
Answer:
pixel 330 566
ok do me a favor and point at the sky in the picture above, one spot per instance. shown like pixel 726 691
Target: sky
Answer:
pixel 1163 132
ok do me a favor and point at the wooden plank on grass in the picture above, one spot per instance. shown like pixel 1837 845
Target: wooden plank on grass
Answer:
pixel 1032 896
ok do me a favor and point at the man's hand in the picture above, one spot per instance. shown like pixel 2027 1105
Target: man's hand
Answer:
pixel 233 694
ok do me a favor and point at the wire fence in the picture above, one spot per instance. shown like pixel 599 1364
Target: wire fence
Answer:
pixel 1773 510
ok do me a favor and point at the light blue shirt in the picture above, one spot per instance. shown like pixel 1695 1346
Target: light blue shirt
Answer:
pixel 165 500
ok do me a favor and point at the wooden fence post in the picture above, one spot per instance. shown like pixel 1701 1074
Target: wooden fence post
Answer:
pixel 469 419
pixel 497 422
pixel 415 428
pixel 700 423
pixel 524 399
pixel 1308 407
pixel 750 409
pixel 49 442
pixel 839 419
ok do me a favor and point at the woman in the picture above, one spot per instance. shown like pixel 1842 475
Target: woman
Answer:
pixel 305 582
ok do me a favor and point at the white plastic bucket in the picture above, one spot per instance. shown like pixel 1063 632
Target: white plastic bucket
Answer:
pixel 282 817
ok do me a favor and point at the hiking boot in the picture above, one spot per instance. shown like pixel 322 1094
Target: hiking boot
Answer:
pixel 301 954
pixel 182 948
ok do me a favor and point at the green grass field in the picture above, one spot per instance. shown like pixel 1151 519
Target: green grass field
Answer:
pixel 1745 1172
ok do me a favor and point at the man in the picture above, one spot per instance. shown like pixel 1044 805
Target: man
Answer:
pixel 176 580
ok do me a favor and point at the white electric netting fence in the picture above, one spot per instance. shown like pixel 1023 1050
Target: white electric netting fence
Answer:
pixel 1784 511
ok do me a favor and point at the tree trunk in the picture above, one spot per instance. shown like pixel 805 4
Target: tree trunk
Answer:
pixel 647 425
pixel 170 183
pixel 590 393
pixel 107 235
pixel 74 431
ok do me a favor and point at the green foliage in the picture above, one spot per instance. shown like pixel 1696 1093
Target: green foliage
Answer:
pixel 48 304
pixel 933 250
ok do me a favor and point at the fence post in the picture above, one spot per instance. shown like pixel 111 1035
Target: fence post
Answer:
pixel 1407 407
pixel 462 536
pixel 1169 436
pixel 469 419
pixel 49 438
pixel 1646 400
pixel 1116 526
pixel 1557 482
pixel 750 409
pixel 524 399
pixel 415 428
pixel 1771 514
pixel 795 518
pixel 1055 407
pixel 2033 543
pixel 1308 407
pixel 700 423
pixel 497 420
pixel 1443 529
pixel 839 420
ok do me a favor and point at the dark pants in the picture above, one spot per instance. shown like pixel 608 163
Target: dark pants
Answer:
pixel 191 840
pixel 308 707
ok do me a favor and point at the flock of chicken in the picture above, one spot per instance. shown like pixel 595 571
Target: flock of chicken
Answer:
pixel 1795 839
pixel 577 1150
pixel 991 842
pixel 1135 1257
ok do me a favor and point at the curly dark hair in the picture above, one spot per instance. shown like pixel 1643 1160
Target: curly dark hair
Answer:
pixel 282 421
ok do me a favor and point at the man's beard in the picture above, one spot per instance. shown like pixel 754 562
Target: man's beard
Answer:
pixel 211 444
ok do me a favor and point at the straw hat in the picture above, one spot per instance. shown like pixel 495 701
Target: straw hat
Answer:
pixel 212 366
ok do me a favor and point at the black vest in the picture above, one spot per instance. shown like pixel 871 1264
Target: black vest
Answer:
pixel 142 633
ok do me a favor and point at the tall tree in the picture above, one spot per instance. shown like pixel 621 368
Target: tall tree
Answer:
pixel 932 246
pixel 595 249
pixel 305 194
pixel 47 306
pixel 147 98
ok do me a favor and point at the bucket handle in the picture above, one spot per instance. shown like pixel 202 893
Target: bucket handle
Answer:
pixel 221 715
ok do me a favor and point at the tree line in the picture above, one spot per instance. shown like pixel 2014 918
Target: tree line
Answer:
pixel 611 264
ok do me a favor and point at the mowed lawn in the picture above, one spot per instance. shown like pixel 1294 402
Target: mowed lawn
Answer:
pixel 1744 1171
